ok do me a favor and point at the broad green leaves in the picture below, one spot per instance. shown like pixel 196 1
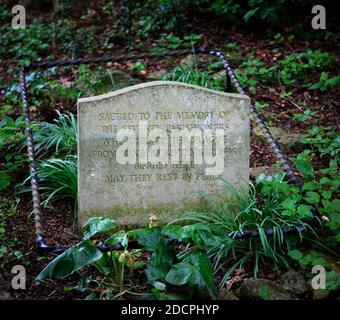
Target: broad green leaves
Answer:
pixel 162 256
pixel 304 167
pixel 295 254
pixel 195 270
pixel 84 253
pixel 73 259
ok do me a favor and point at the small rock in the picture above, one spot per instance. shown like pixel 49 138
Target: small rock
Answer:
pixel 287 140
pixel 262 289
pixel 320 294
pixel 234 59
pixel 267 170
pixel 226 294
pixel 189 62
pixel 317 294
pixel 156 75
pixel 294 282
pixel 122 79
pixel 219 75
pixel 4 295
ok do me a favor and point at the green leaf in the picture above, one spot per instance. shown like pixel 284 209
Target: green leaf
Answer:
pixel 7 121
pixel 264 293
pixel 305 211
pixel 312 197
pixel 157 270
pixel 162 257
pixel 4 180
pixel 118 237
pixel 295 254
pixel 150 238
pixel 3 250
pixel 312 258
pixel 174 232
pixel 305 168
pixel 336 205
pixel 197 270
pixel 310 186
pixel 204 272
pixel 73 259
pixel 325 180
pixel 180 273
pixel 159 285
pixel 288 204
pixel 326 194
pixel 97 225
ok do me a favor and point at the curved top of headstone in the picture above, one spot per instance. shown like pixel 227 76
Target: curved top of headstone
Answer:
pixel 166 84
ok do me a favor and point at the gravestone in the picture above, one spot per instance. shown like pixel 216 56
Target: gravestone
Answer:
pixel 152 148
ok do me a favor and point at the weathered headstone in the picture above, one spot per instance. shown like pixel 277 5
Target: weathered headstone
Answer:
pixel 149 149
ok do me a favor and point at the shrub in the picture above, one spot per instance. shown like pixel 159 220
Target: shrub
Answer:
pixel 297 66
pixel 271 203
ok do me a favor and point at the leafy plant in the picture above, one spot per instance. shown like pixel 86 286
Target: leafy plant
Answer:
pixel 172 42
pixel 253 71
pixel 265 206
pixel 290 70
pixel 59 137
pixel 306 115
pixel 320 187
pixel 325 83
pixel 139 67
pixel 294 66
pixel 8 208
pixel 58 179
pixel 313 258
pixel 196 77
pixel 116 267
pixel 192 268
pixel 10 137
pixel 273 12
pixel 26 45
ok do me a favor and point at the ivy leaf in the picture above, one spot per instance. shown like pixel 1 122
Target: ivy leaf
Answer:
pixel 295 254
pixel 197 270
pixel 312 197
pixel 118 237
pixel 181 273
pixel 73 259
pixel 288 204
pixel 326 194
pixel 304 167
pixel 162 255
pixel 97 225
pixel 4 180
pixel 310 186
pixel 336 205
pixel 305 211
pixel 174 232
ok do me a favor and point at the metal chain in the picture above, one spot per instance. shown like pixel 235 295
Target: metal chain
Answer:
pixel 31 157
pixel 134 56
